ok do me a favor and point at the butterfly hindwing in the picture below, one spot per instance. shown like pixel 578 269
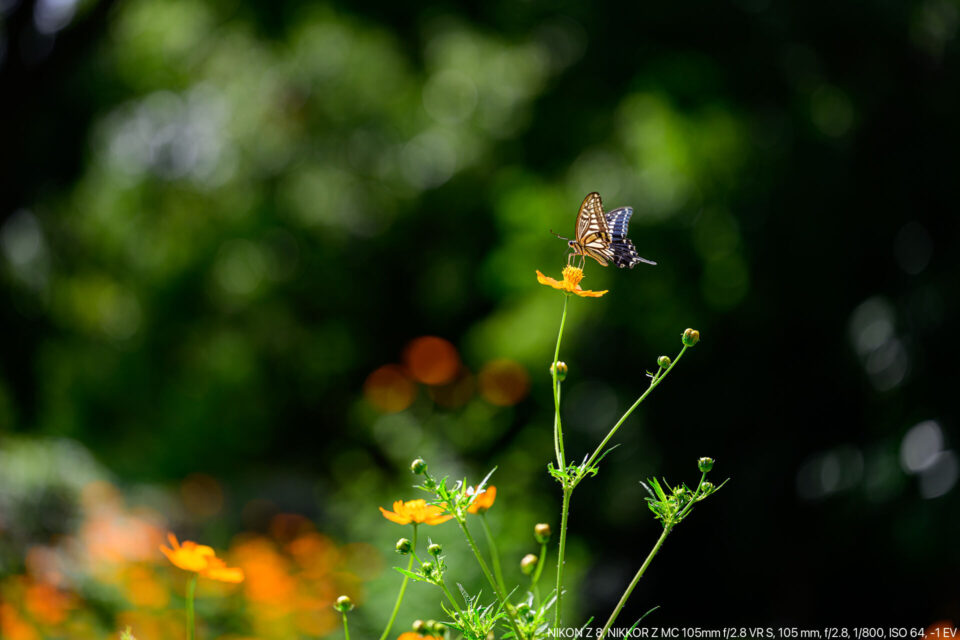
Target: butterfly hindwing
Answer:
pixel 624 253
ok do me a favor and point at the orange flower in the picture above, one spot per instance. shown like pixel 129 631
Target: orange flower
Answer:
pixel 484 499
pixel 413 635
pixel 200 558
pixel 571 282
pixel 417 511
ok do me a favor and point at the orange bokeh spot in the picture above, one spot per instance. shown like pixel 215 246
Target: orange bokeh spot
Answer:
pixel 144 590
pixel 13 626
pixel 47 604
pixel 504 382
pixel 432 360
pixel 389 389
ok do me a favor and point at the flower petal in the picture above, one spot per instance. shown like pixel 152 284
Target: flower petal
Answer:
pixel 550 282
pixel 393 517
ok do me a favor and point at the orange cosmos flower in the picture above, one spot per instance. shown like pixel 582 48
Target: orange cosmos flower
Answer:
pixel 484 499
pixel 571 282
pixel 417 511
pixel 201 559
pixel 413 635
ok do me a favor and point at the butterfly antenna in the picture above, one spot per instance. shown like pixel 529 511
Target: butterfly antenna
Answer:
pixel 559 236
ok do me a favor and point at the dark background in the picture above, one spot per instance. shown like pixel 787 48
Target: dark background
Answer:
pixel 219 218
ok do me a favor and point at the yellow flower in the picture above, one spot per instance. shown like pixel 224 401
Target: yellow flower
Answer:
pixel 571 282
pixel 484 499
pixel 417 511
pixel 201 559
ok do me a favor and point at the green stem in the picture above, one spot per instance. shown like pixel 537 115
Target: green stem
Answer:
pixel 567 492
pixel 494 552
pixel 443 585
pixel 493 583
pixel 403 588
pixel 534 582
pixel 191 589
pixel 633 583
pixel 557 427
pixel 653 385
pixel 346 630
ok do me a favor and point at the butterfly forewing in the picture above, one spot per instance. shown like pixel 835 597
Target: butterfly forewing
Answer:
pixel 603 236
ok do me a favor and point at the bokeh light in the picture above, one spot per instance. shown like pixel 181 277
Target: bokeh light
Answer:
pixel 432 360
pixel 390 389
pixel 503 382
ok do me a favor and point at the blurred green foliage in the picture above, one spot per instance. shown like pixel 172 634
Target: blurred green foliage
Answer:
pixel 219 218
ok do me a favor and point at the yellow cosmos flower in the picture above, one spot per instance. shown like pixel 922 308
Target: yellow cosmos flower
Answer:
pixel 417 511
pixel 201 559
pixel 570 284
pixel 484 499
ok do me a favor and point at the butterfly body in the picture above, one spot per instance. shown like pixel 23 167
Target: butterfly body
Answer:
pixel 603 236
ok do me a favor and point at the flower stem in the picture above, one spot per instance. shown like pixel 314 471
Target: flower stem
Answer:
pixel 567 492
pixel 633 583
pixel 403 588
pixel 346 630
pixel 536 574
pixel 443 585
pixel 653 385
pixel 191 589
pixel 494 552
pixel 501 594
pixel 557 427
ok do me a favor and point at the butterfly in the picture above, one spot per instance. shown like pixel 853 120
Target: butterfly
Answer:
pixel 603 236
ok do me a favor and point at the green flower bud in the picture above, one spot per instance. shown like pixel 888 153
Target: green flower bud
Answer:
pixel 705 490
pixel 705 464
pixel 420 627
pixel 542 533
pixel 528 564
pixel 418 466
pixel 663 361
pixel 525 611
pixel 430 624
pixel 427 569
pixel 561 371
pixel 404 546
pixel 434 549
pixel 691 337
pixel 344 604
pixel 439 629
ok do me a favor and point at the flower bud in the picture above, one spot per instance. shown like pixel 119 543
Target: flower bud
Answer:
pixel 420 627
pixel 344 604
pixel 528 564
pixel 705 464
pixel 705 489
pixel 418 466
pixel 434 549
pixel 561 371
pixel 663 361
pixel 404 546
pixel 542 533
pixel 427 569
pixel 690 337
pixel 439 629
pixel 430 625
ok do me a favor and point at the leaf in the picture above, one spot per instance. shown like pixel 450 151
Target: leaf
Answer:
pixel 411 574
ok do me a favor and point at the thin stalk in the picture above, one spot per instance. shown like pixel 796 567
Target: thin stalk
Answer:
pixel 567 492
pixel 346 630
pixel 534 582
pixel 494 552
pixel 653 385
pixel 501 594
pixel 557 427
pixel 403 588
pixel 633 583
pixel 443 585
pixel 191 589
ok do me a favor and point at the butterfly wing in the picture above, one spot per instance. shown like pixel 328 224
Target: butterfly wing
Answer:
pixel 593 234
pixel 624 253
